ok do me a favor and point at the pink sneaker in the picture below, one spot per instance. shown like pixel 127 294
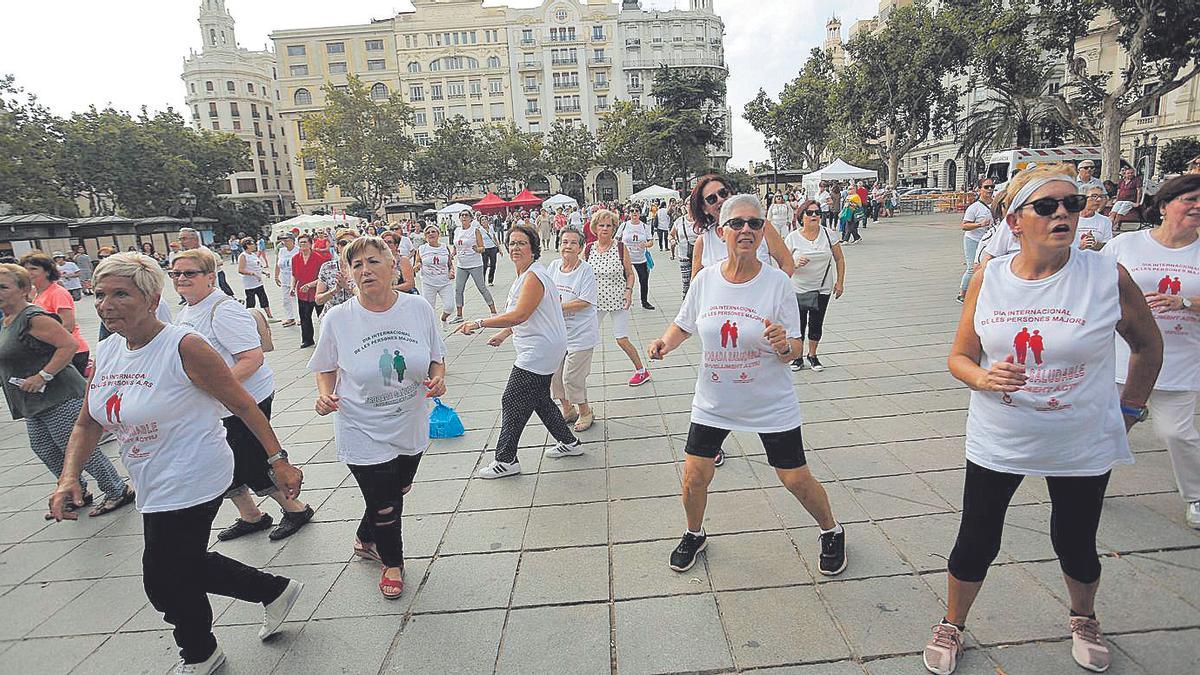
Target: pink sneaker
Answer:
pixel 1087 644
pixel 942 652
pixel 639 378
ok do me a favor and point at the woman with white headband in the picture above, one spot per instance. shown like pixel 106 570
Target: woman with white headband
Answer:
pixel 1036 345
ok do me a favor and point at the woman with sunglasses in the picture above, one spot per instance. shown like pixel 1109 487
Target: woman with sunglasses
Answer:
pixel 816 251
pixel 334 284
pixel 704 205
pixel 230 329
pixel 976 225
pixel 745 315
pixel 635 234
pixel 469 246
pixel 1095 228
pixel 1036 344
pixel 1165 263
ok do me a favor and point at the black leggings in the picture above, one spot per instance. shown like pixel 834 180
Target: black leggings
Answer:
pixel 1075 505
pixel 383 487
pixel 260 293
pixel 527 393
pixel 489 263
pixel 643 274
pixel 812 321
pixel 223 284
pixel 662 239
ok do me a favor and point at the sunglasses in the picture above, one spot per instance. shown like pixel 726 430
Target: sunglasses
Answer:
pixel 812 212
pixel 187 274
pixel 723 193
pixel 987 187
pixel 1047 206
pixel 343 242
pixel 739 223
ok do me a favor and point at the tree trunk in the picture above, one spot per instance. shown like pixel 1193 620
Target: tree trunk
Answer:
pixel 893 168
pixel 1110 141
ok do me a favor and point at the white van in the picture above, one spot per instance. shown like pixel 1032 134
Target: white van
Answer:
pixel 1007 162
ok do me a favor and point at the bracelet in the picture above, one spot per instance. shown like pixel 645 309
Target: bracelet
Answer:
pixel 479 323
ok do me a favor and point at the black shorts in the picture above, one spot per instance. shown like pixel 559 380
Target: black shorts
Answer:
pixel 250 468
pixel 785 449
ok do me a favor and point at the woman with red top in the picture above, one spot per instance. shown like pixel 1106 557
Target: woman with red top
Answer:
pixel 1128 205
pixel 57 300
pixel 305 267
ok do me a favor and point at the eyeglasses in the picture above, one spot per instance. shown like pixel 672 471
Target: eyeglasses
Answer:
pixel 739 223
pixel 723 193
pixel 188 274
pixel 343 242
pixel 812 212
pixel 987 187
pixel 1047 206
pixel 1097 197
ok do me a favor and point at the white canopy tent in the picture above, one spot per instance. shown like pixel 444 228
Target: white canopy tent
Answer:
pixel 451 209
pixel 836 170
pixel 560 200
pixel 654 192
pixel 308 222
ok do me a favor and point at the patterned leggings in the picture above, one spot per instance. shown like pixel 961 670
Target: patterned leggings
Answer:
pixel 685 270
pixel 525 394
pixel 48 434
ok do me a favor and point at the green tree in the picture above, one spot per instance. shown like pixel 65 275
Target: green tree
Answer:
pixel 798 127
pixel 453 162
pixel 630 139
pixel 893 93
pixel 360 145
pixel 743 182
pixel 233 217
pixel 1161 44
pixel 511 155
pixel 1175 155
pixel 693 117
pixel 29 154
pixel 569 149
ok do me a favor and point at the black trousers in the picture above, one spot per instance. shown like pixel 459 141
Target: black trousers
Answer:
pixel 662 239
pixel 1075 505
pixel 812 321
pixel 383 487
pixel 223 284
pixel 250 468
pixel 307 307
pixel 489 262
pixel 643 274
pixel 260 293
pixel 178 571
pixel 527 393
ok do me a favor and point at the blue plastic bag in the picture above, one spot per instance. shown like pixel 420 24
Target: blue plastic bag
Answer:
pixel 444 421
pixel 649 261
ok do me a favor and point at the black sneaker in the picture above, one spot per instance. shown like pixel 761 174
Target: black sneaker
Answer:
pixel 833 552
pixel 241 528
pixel 291 523
pixel 646 305
pixel 815 364
pixel 719 459
pixel 684 555
pixel 797 365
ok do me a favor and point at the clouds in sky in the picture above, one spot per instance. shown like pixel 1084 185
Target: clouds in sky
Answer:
pixel 130 52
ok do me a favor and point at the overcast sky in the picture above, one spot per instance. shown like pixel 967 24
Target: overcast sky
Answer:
pixel 74 53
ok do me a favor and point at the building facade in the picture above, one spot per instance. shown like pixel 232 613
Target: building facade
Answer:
pixel 235 90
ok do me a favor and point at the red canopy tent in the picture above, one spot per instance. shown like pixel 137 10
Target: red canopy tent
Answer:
pixel 525 200
pixel 490 204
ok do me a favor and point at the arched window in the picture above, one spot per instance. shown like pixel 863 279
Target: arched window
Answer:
pixel 379 91
pixel 493 62
pixel 303 97
pixel 414 67
pixel 212 36
pixel 435 65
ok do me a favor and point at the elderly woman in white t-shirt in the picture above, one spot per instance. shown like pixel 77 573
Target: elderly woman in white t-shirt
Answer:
pixel 1036 345
pixel 232 331
pixel 749 327
pixel 820 275
pixel 379 360
pixel 162 390
pixel 576 282
pixel 534 318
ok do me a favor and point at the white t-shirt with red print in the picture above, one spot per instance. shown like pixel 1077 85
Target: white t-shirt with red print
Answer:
pixel 1173 271
pixel 742 384
pixel 170 432
pixel 1066 420
pixel 435 265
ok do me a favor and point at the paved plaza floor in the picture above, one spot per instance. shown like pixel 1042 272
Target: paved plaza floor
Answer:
pixel 564 569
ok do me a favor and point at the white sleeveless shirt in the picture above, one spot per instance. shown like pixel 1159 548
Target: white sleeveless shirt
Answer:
pixel 170 431
pixel 465 254
pixel 541 342
pixel 1066 420
pixel 715 251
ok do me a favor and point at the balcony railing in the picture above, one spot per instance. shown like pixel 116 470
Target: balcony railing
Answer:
pixel 601 85
pixel 598 38
pixel 532 88
pixel 460 94
pixel 565 86
pixel 603 107
pixel 567 109
pixel 530 65
pixel 536 112
pixel 600 61
pixel 633 42
pixel 676 61
pixel 564 62
pixel 528 41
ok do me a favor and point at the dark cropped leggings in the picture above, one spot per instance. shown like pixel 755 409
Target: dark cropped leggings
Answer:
pixel 1075 505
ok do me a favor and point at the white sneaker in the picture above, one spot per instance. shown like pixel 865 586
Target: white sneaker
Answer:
pixel 456 319
pixel 499 470
pixel 1193 515
pixel 276 612
pixel 564 450
pixel 210 666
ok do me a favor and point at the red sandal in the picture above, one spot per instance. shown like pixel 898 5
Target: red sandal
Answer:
pixel 391 588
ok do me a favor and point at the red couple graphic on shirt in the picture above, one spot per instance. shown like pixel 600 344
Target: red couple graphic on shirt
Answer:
pixel 112 409
pixel 1167 285
pixel 1025 342
pixel 729 333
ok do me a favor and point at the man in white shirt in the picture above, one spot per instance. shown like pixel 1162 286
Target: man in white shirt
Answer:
pixel 1094 229
pixel 1086 179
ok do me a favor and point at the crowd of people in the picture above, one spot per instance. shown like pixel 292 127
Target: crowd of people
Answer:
pixel 1095 333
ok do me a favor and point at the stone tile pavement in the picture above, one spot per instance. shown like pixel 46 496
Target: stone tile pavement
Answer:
pixel 564 569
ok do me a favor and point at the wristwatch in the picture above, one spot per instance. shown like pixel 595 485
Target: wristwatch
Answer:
pixel 1139 414
pixel 46 376
pixel 282 454
pixel 1187 302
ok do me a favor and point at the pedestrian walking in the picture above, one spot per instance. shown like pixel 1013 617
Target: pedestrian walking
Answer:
pixel 1061 418
pixel 435 263
pixel 161 390
pixel 52 297
pixel 637 237
pixel 577 289
pixel 819 275
pixel 285 250
pixel 611 264
pixel 468 257
pixel 250 266
pixel 976 224
pixel 745 315
pixel 306 265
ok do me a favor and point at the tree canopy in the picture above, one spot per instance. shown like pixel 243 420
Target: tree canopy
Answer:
pixel 800 125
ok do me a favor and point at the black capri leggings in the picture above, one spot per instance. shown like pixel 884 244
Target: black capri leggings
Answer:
pixel 643 274
pixel 260 293
pixel 1075 505
pixel 812 321
pixel 527 393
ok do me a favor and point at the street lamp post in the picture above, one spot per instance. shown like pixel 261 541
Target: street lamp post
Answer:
pixel 187 201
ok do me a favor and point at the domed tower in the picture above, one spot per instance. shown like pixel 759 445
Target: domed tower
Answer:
pixel 216 25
